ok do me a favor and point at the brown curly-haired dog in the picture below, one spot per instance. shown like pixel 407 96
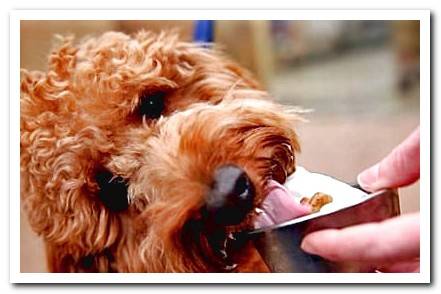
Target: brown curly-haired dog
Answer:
pixel 143 154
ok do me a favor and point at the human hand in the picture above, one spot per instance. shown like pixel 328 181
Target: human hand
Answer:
pixel 392 245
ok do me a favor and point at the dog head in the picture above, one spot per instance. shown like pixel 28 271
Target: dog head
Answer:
pixel 144 153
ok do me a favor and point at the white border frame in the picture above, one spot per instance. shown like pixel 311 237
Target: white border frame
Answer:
pixel 422 15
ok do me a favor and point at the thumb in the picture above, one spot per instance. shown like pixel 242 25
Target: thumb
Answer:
pixel 400 168
pixel 389 241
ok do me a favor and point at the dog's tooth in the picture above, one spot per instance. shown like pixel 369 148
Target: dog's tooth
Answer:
pixel 258 210
pixel 231 236
pixel 230 267
pixel 224 254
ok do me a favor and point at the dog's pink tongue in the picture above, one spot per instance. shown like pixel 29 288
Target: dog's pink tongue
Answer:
pixel 279 206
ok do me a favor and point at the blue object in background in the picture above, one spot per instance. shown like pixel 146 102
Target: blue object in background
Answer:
pixel 203 31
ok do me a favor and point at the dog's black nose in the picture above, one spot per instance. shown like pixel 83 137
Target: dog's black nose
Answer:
pixel 231 196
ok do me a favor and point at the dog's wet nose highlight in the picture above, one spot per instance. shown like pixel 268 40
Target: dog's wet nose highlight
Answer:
pixel 230 197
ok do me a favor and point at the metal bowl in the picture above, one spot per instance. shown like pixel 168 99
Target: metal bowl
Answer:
pixel 279 245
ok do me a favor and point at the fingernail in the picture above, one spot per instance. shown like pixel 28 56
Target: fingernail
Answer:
pixel 307 246
pixel 368 178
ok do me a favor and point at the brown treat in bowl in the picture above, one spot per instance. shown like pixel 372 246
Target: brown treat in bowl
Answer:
pixel 317 201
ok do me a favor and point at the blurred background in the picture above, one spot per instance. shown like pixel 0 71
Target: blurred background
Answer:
pixel 361 78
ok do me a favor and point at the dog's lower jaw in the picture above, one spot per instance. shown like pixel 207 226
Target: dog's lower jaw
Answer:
pixel 216 250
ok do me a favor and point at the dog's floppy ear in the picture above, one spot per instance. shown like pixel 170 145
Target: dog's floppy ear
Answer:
pixel 62 59
pixel 57 153
pixel 41 91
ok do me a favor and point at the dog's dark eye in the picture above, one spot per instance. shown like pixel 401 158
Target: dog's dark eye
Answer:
pixel 152 105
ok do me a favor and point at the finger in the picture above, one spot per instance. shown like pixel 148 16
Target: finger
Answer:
pixel 400 168
pixel 393 240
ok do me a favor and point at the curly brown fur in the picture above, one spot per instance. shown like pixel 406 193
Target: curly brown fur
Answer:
pixel 81 116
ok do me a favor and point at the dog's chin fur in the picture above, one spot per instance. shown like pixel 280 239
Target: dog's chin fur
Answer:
pixel 81 116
